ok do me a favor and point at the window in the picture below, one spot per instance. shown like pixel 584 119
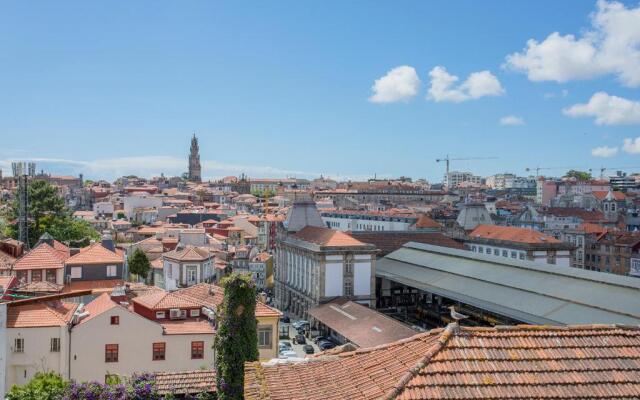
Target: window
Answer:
pixel 55 344
pixel 480 249
pixel 194 313
pixel 51 275
pixel 110 353
pixel 496 252
pixel 473 248
pixel 36 275
pixel 115 320
pixel 197 350
pixel 514 254
pixel 264 337
pixel 505 253
pixel 348 288
pixel 112 270
pixel 160 315
pixel 76 272
pixel 158 351
pixel 191 275
pixel 348 267
pixel 18 346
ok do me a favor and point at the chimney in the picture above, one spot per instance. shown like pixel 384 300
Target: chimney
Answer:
pixel 107 241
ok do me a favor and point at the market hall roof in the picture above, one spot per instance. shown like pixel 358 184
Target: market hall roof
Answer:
pixel 522 290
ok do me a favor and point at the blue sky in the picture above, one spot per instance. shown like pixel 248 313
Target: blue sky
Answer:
pixel 285 88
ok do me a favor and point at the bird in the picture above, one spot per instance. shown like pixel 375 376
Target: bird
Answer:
pixel 456 315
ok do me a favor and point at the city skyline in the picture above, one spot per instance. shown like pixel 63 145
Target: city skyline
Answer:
pixel 324 87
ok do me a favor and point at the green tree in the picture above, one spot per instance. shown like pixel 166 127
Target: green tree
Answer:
pixel 48 213
pixel 43 386
pixel 237 339
pixel 579 175
pixel 139 264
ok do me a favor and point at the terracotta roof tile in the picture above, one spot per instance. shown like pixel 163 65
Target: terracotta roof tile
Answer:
pixel 521 362
pixel 43 314
pixel 161 300
pixel 187 327
pixel 101 285
pixel 189 253
pixel 42 256
pixel 327 237
pixel 511 234
pixel 96 254
pixel 186 382
pixel 98 305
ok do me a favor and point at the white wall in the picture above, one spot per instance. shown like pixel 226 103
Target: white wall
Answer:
pixel 333 283
pixel 362 278
pixel 103 207
pixel 135 336
pixel 132 202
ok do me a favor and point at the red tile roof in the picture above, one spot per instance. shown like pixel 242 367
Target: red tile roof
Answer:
pixel 42 256
pixel 190 253
pixel 96 254
pixel 511 234
pixel 602 194
pixel 55 313
pixel 102 285
pixel 425 222
pixel 187 327
pixel 161 300
pixel 521 362
pixel 99 305
pixel 211 296
pixel 185 382
pixel 327 237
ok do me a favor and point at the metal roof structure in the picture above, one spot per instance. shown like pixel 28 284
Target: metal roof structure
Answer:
pixel 522 290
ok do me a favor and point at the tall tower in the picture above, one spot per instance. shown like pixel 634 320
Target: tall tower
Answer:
pixel 195 172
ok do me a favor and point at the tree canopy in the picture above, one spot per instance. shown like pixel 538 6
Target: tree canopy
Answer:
pixel 579 175
pixel 236 341
pixel 139 264
pixel 48 213
pixel 43 386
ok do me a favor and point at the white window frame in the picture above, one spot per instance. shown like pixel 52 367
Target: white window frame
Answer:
pixel 112 270
pixel 18 345
pixel 194 313
pixel 161 315
pixel 55 345
pixel 265 332
pixel 76 272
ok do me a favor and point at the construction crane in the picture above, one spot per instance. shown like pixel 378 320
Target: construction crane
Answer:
pixel 603 169
pixel 538 169
pixel 448 160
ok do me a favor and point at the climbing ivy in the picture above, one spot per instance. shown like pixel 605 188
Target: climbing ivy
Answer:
pixel 236 341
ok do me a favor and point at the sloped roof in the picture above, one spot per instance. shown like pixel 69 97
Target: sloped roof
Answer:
pixel 511 234
pixel 43 314
pixel 42 256
pixel 161 300
pixel 185 382
pixel 602 195
pixel 518 362
pixel 189 253
pixel 187 327
pixel 425 221
pixel 96 254
pixel 98 306
pixel 388 241
pixel 327 237
pixel 359 324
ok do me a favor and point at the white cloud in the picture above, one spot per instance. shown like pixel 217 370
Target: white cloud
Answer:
pixel 478 84
pixel 607 110
pixel 604 151
pixel 399 84
pixel 511 120
pixel 631 146
pixel 148 166
pixel 610 46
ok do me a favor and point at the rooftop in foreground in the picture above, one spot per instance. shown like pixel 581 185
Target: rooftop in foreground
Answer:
pixel 516 362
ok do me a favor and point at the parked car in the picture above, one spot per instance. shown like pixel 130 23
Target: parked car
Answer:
pixel 299 339
pixel 300 324
pixel 288 354
pixel 308 349
pixel 326 345
pixel 285 344
pixel 319 338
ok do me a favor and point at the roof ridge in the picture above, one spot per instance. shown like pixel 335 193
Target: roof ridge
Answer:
pixel 448 332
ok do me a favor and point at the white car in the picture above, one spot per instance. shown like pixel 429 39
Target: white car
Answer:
pixel 288 354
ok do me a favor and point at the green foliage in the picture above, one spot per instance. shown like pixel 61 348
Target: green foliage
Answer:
pixel 43 386
pixel 263 193
pixel 120 215
pixel 579 175
pixel 48 213
pixel 139 264
pixel 237 338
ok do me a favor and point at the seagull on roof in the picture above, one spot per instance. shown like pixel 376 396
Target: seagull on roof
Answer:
pixel 456 315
